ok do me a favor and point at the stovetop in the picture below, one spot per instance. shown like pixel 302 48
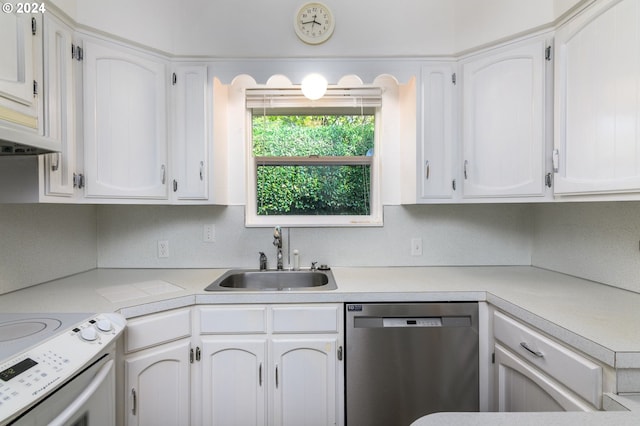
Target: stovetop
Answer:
pixel 20 331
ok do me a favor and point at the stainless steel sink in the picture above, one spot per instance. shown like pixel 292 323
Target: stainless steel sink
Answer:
pixel 273 280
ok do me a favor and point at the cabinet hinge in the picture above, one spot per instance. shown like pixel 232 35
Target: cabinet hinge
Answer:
pixel 174 79
pixel 78 180
pixel 453 78
pixel 453 184
pixel 548 180
pixel 493 358
pixel 77 53
pixel 191 355
pixel 34 26
pixel 339 353
pixel 198 354
pixel 175 185
pixel 547 53
pixel 35 88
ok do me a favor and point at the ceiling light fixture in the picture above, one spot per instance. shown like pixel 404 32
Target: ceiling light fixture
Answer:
pixel 314 86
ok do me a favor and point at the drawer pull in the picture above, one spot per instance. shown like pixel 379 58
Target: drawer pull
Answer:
pixel 531 351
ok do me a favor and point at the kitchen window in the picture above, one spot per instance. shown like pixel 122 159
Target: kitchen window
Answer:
pixel 313 163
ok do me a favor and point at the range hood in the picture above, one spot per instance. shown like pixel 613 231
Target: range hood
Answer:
pixel 16 142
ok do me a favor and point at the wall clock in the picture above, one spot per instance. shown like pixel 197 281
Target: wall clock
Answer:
pixel 314 23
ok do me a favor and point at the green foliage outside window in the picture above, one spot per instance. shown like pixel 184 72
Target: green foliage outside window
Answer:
pixel 313 189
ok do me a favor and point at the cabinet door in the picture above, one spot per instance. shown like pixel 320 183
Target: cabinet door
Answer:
pixel 234 381
pixel 157 385
pixel 503 121
pixel 597 100
pixel 125 132
pixel 190 158
pixel 521 387
pixel 435 168
pixel 304 385
pixel 59 168
pixel 20 68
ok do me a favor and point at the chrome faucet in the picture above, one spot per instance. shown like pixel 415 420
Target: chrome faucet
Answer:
pixel 277 241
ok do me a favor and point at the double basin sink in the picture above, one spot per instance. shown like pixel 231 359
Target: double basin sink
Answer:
pixel 273 280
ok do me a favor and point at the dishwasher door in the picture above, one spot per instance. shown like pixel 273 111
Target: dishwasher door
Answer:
pixel 406 360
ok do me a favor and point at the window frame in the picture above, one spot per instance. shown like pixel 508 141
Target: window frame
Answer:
pixel 302 106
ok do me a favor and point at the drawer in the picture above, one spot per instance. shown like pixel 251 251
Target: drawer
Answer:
pixel 233 319
pixel 155 329
pixel 574 371
pixel 306 319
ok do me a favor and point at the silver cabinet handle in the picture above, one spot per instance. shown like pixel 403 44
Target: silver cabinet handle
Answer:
pixel 202 170
pixel 134 401
pixel 556 161
pixel 163 174
pixel 427 170
pixel 55 161
pixel 466 164
pixel 260 375
pixel 533 352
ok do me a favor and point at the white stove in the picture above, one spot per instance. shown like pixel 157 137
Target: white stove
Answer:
pixel 40 354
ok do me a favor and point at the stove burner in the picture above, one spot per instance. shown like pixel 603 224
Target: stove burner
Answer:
pixel 14 330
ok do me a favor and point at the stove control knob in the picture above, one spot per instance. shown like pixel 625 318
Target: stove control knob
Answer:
pixel 89 334
pixel 104 325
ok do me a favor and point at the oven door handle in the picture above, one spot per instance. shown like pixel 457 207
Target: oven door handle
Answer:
pixel 74 407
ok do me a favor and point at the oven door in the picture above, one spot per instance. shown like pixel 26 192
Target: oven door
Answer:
pixel 87 400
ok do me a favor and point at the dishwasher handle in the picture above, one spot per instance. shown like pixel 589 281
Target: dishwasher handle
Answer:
pixel 411 322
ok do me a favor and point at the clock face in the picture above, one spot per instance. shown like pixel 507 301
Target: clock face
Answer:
pixel 314 23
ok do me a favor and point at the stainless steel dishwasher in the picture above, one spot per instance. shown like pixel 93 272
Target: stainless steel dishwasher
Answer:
pixel 406 360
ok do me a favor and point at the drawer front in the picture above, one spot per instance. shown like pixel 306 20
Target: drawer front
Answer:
pixel 567 367
pixel 233 320
pixel 306 319
pixel 155 329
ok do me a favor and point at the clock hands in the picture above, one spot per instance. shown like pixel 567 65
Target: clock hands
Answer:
pixel 313 22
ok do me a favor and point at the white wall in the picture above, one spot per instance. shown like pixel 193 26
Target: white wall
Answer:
pixel 452 235
pixel 596 241
pixel 41 242
pixel 228 28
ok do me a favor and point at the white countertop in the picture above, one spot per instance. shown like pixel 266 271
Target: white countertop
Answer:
pixel 599 320
pixel 596 319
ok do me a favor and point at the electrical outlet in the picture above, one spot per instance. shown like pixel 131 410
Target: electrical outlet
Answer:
pixel 416 247
pixel 163 248
pixel 209 233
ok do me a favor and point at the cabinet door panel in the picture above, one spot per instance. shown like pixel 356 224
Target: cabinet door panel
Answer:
pixel 503 122
pixel 125 123
pixel 59 110
pixel 19 68
pixel 435 171
pixel 597 132
pixel 157 386
pixel 191 134
pixel 305 374
pixel 521 387
pixel 234 381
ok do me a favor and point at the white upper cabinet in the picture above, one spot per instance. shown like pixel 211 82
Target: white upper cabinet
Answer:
pixel 21 69
pixel 503 121
pixel 190 135
pixel 597 100
pixel 125 122
pixel 435 167
pixel 59 168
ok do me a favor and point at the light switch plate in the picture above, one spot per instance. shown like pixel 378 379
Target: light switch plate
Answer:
pixel 209 233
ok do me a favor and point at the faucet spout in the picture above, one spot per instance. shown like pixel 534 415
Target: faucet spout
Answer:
pixel 277 241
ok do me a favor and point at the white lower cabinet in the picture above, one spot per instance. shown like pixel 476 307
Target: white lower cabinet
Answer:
pixel 535 373
pixel 271 365
pixel 233 381
pixel 157 370
pixel 158 385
